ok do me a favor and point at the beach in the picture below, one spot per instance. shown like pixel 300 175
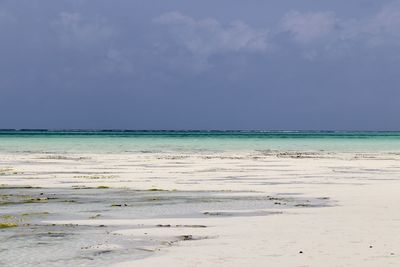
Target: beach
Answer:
pixel 235 200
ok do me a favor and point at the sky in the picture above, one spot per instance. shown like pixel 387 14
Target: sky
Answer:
pixel 179 64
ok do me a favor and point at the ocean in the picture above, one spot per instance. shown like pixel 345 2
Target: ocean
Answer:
pixel 123 141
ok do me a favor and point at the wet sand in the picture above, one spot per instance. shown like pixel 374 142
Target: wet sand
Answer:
pixel 265 208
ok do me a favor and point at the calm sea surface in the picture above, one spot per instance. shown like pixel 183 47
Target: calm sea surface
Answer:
pixel 186 141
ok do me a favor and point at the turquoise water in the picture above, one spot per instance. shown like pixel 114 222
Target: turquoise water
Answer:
pixel 165 141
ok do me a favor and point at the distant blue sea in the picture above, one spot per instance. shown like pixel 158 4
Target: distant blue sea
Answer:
pixel 125 141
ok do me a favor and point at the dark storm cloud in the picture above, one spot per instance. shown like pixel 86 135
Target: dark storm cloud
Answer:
pixel 204 65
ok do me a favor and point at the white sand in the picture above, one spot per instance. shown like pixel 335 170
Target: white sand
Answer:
pixel 364 188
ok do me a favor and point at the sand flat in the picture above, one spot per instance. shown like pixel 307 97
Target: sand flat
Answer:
pixel 216 208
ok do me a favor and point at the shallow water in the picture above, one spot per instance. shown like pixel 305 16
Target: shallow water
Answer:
pixel 43 243
pixel 197 141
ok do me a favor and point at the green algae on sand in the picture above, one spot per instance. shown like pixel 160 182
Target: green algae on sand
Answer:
pixel 7 225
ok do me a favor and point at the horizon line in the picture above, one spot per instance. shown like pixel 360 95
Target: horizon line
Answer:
pixel 180 130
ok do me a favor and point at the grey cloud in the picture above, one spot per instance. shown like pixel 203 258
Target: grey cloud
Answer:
pixel 206 37
pixel 388 19
pixel 73 30
pixel 118 61
pixel 308 27
pixel 379 29
pixel 324 34
pixel 384 28
pixel 91 42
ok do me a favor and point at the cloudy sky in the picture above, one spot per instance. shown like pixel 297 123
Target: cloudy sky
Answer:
pixel 179 64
